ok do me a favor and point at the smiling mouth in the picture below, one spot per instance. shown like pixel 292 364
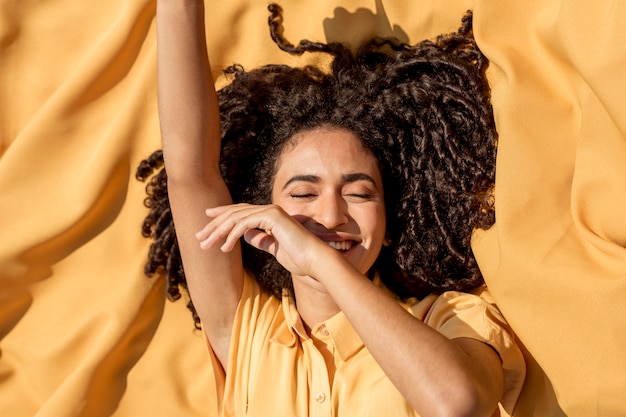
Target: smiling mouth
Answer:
pixel 342 246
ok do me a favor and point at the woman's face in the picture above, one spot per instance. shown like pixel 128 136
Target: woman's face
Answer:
pixel 333 187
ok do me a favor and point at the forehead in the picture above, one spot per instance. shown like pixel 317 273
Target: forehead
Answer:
pixel 324 145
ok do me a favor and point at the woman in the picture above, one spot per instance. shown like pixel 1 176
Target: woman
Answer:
pixel 356 191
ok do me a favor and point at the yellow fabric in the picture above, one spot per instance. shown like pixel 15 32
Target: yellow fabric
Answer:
pixel 556 260
pixel 83 332
pixel 276 369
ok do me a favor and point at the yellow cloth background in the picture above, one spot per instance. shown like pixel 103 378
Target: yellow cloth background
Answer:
pixel 83 332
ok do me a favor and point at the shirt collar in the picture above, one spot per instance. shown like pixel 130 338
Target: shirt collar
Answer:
pixel 290 324
pixel 345 339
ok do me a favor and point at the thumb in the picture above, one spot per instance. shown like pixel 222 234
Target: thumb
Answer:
pixel 261 240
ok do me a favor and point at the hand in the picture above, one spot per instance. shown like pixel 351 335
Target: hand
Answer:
pixel 268 228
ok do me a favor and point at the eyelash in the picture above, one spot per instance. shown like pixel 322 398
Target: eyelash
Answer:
pixel 364 196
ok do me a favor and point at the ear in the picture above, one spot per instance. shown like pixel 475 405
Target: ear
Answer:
pixel 387 241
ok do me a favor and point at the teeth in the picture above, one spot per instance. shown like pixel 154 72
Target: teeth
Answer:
pixel 344 245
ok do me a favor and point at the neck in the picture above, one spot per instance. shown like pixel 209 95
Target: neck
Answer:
pixel 314 304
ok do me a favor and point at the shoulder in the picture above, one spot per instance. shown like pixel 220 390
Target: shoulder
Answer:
pixel 254 298
pixel 475 316
pixel 459 314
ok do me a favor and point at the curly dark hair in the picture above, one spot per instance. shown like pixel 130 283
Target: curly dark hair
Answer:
pixel 423 111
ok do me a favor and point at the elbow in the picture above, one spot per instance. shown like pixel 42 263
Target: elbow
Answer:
pixel 461 400
pixel 468 401
pixel 470 408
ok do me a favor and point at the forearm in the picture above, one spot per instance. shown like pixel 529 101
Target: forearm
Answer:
pixel 434 374
pixel 190 131
pixel 188 109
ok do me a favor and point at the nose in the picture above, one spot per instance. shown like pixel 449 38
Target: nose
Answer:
pixel 331 210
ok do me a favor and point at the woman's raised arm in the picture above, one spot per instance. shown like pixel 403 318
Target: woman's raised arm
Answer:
pixel 190 130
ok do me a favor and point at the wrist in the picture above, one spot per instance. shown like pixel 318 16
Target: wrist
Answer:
pixel 330 264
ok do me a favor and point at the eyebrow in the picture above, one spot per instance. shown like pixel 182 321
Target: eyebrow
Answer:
pixel 348 178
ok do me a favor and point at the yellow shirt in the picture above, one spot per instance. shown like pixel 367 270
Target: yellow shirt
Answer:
pixel 276 369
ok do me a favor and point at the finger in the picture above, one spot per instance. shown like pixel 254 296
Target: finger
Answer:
pixel 205 232
pixel 245 224
pixel 212 213
pixel 261 240
pixel 218 231
pixel 216 211
pixel 217 216
pixel 231 225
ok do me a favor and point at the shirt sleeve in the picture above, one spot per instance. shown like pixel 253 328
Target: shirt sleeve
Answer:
pixel 252 306
pixel 456 314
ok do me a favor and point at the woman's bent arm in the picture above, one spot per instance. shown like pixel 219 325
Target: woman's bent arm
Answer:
pixel 190 130
pixel 437 376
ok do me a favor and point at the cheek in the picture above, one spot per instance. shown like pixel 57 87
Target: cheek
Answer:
pixel 382 227
pixel 297 211
pixel 374 220
pixel 283 203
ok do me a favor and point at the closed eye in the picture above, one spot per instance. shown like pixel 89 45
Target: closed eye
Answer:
pixel 302 195
pixel 363 196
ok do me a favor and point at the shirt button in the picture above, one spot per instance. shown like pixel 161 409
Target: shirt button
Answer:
pixel 320 397
pixel 323 330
